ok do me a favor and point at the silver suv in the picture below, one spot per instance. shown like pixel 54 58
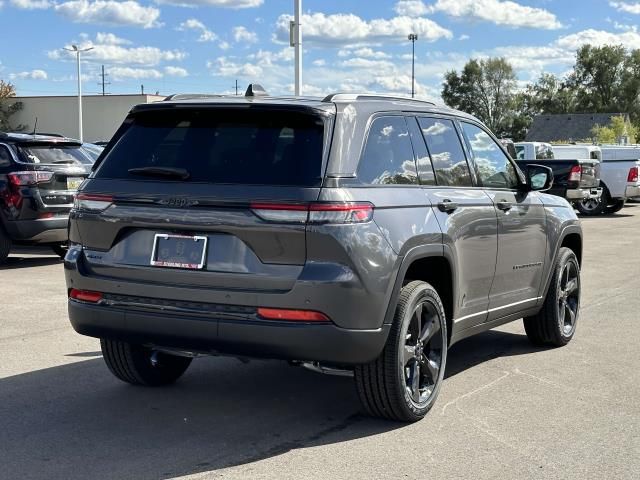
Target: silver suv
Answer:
pixel 355 234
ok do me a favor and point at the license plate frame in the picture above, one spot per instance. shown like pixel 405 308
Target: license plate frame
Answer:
pixel 73 183
pixel 171 262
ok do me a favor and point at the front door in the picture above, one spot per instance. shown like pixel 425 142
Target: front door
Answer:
pixel 522 236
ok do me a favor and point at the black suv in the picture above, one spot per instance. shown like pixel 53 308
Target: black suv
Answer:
pixel 356 234
pixel 39 174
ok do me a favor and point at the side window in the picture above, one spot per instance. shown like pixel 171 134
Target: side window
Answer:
pixel 446 151
pixel 5 156
pixel 425 169
pixel 494 168
pixel 388 156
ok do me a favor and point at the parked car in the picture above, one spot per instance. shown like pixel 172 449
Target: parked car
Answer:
pixel 358 234
pixel 533 151
pixel 618 175
pixel 38 177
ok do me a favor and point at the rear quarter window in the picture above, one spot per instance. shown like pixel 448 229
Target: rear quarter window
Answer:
pixel 225 146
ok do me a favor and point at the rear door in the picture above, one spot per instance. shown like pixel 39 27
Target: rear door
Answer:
pixel 522 232
pixel 218 176
pixel 466 216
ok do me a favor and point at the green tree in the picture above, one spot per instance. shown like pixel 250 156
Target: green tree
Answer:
pixel 615 131
pixel 7 109
pixel 486 89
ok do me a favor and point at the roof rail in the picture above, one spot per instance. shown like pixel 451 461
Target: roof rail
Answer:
pixel 333 97
pixel 191 96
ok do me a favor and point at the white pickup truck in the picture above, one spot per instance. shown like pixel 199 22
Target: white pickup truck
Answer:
pixel 619 174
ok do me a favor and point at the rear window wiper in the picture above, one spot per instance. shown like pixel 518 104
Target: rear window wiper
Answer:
pixel 169 172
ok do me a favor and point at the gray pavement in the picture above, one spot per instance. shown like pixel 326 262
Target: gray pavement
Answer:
pixel 506 410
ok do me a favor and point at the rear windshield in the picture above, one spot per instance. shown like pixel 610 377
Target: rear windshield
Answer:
pixel 54 154
pixel 240 146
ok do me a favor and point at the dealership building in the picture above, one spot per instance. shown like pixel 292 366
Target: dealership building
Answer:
pixel 101 114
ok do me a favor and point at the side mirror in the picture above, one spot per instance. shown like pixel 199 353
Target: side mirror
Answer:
pixel 539 178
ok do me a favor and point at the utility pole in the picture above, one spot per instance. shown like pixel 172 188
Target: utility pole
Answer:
pixel 236 87
pixel 295 40
pixel 78 51
pixel 104 82
pixel 413 37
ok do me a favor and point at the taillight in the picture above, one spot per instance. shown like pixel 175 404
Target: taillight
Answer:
pixel 92 203
pixel 29 178
pixel 85 295
pixel 292 315
pixel 633 175
pixel 575 173
pixel 314 213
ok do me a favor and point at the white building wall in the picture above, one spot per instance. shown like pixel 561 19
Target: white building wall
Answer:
pixel 102 115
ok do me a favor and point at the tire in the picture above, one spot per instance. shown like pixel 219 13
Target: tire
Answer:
pixel 555 324
pixel 60 250
pixel 614 207
pixel 593 207
pixel 386 386
pixel 139 365
pixel 5 246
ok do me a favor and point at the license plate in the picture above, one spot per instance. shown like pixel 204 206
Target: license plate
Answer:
pixel 179 251
pixel 74 182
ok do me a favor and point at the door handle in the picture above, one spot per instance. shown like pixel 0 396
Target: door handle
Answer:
pixel 504 205
pixel 447 206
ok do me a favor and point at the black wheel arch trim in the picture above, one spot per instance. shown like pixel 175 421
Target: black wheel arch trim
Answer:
pixel 566 231
pixel 405 261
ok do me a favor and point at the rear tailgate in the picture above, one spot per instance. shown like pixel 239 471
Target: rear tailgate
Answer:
pixel 236 160
pixel 590 173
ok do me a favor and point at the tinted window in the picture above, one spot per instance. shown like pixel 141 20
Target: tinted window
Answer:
pixel 494 168
pixel 5 156
pixel 218 145
pixel 388 156
pixel 446 152
pixel 425 169
pixel 53 154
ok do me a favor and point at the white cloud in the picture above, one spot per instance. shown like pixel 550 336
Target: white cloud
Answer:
pixel 366 63
pixel 500 12
pixel 463 37
pixel 176 71
pixel 32 4
pixel 411 8
pixel 225 67
pixel 119 54
pixel 626 7
pixel 321 62
pixel 344 28
pixel 128 73
pixel 266 58
pixel 110 12
pixel 241 34
pixel 630 39
pixel 111 39
pixel 364 52
pixel 224 45
pixel 31 75
pixel 235 4
pixel 206 35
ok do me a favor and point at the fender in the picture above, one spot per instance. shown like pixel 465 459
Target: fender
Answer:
pixel 417 253
pixel 566 230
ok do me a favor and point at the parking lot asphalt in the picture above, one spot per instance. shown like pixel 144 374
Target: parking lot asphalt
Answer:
pixel 506 410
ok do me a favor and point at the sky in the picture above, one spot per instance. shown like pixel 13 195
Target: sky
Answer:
pixel 204 46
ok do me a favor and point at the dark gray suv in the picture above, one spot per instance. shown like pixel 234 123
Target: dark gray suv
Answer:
pixel 356 234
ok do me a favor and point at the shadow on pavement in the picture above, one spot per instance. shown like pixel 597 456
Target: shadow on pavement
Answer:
pixel 14 261
pixel 76 421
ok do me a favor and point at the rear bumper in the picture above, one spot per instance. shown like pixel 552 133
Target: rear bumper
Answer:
pixel 44 230
pixel 632 191
pixel 584 193
pixel 242 337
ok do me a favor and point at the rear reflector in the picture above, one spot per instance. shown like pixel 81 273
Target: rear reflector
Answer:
pixel 575 173
pixel 85 295
pixel 633 175
pixel 314 213
pixel 92 203
pixel 292 315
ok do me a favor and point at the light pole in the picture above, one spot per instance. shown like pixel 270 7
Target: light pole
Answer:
pixel 413 37
pixel 295 40
pixel 78 51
